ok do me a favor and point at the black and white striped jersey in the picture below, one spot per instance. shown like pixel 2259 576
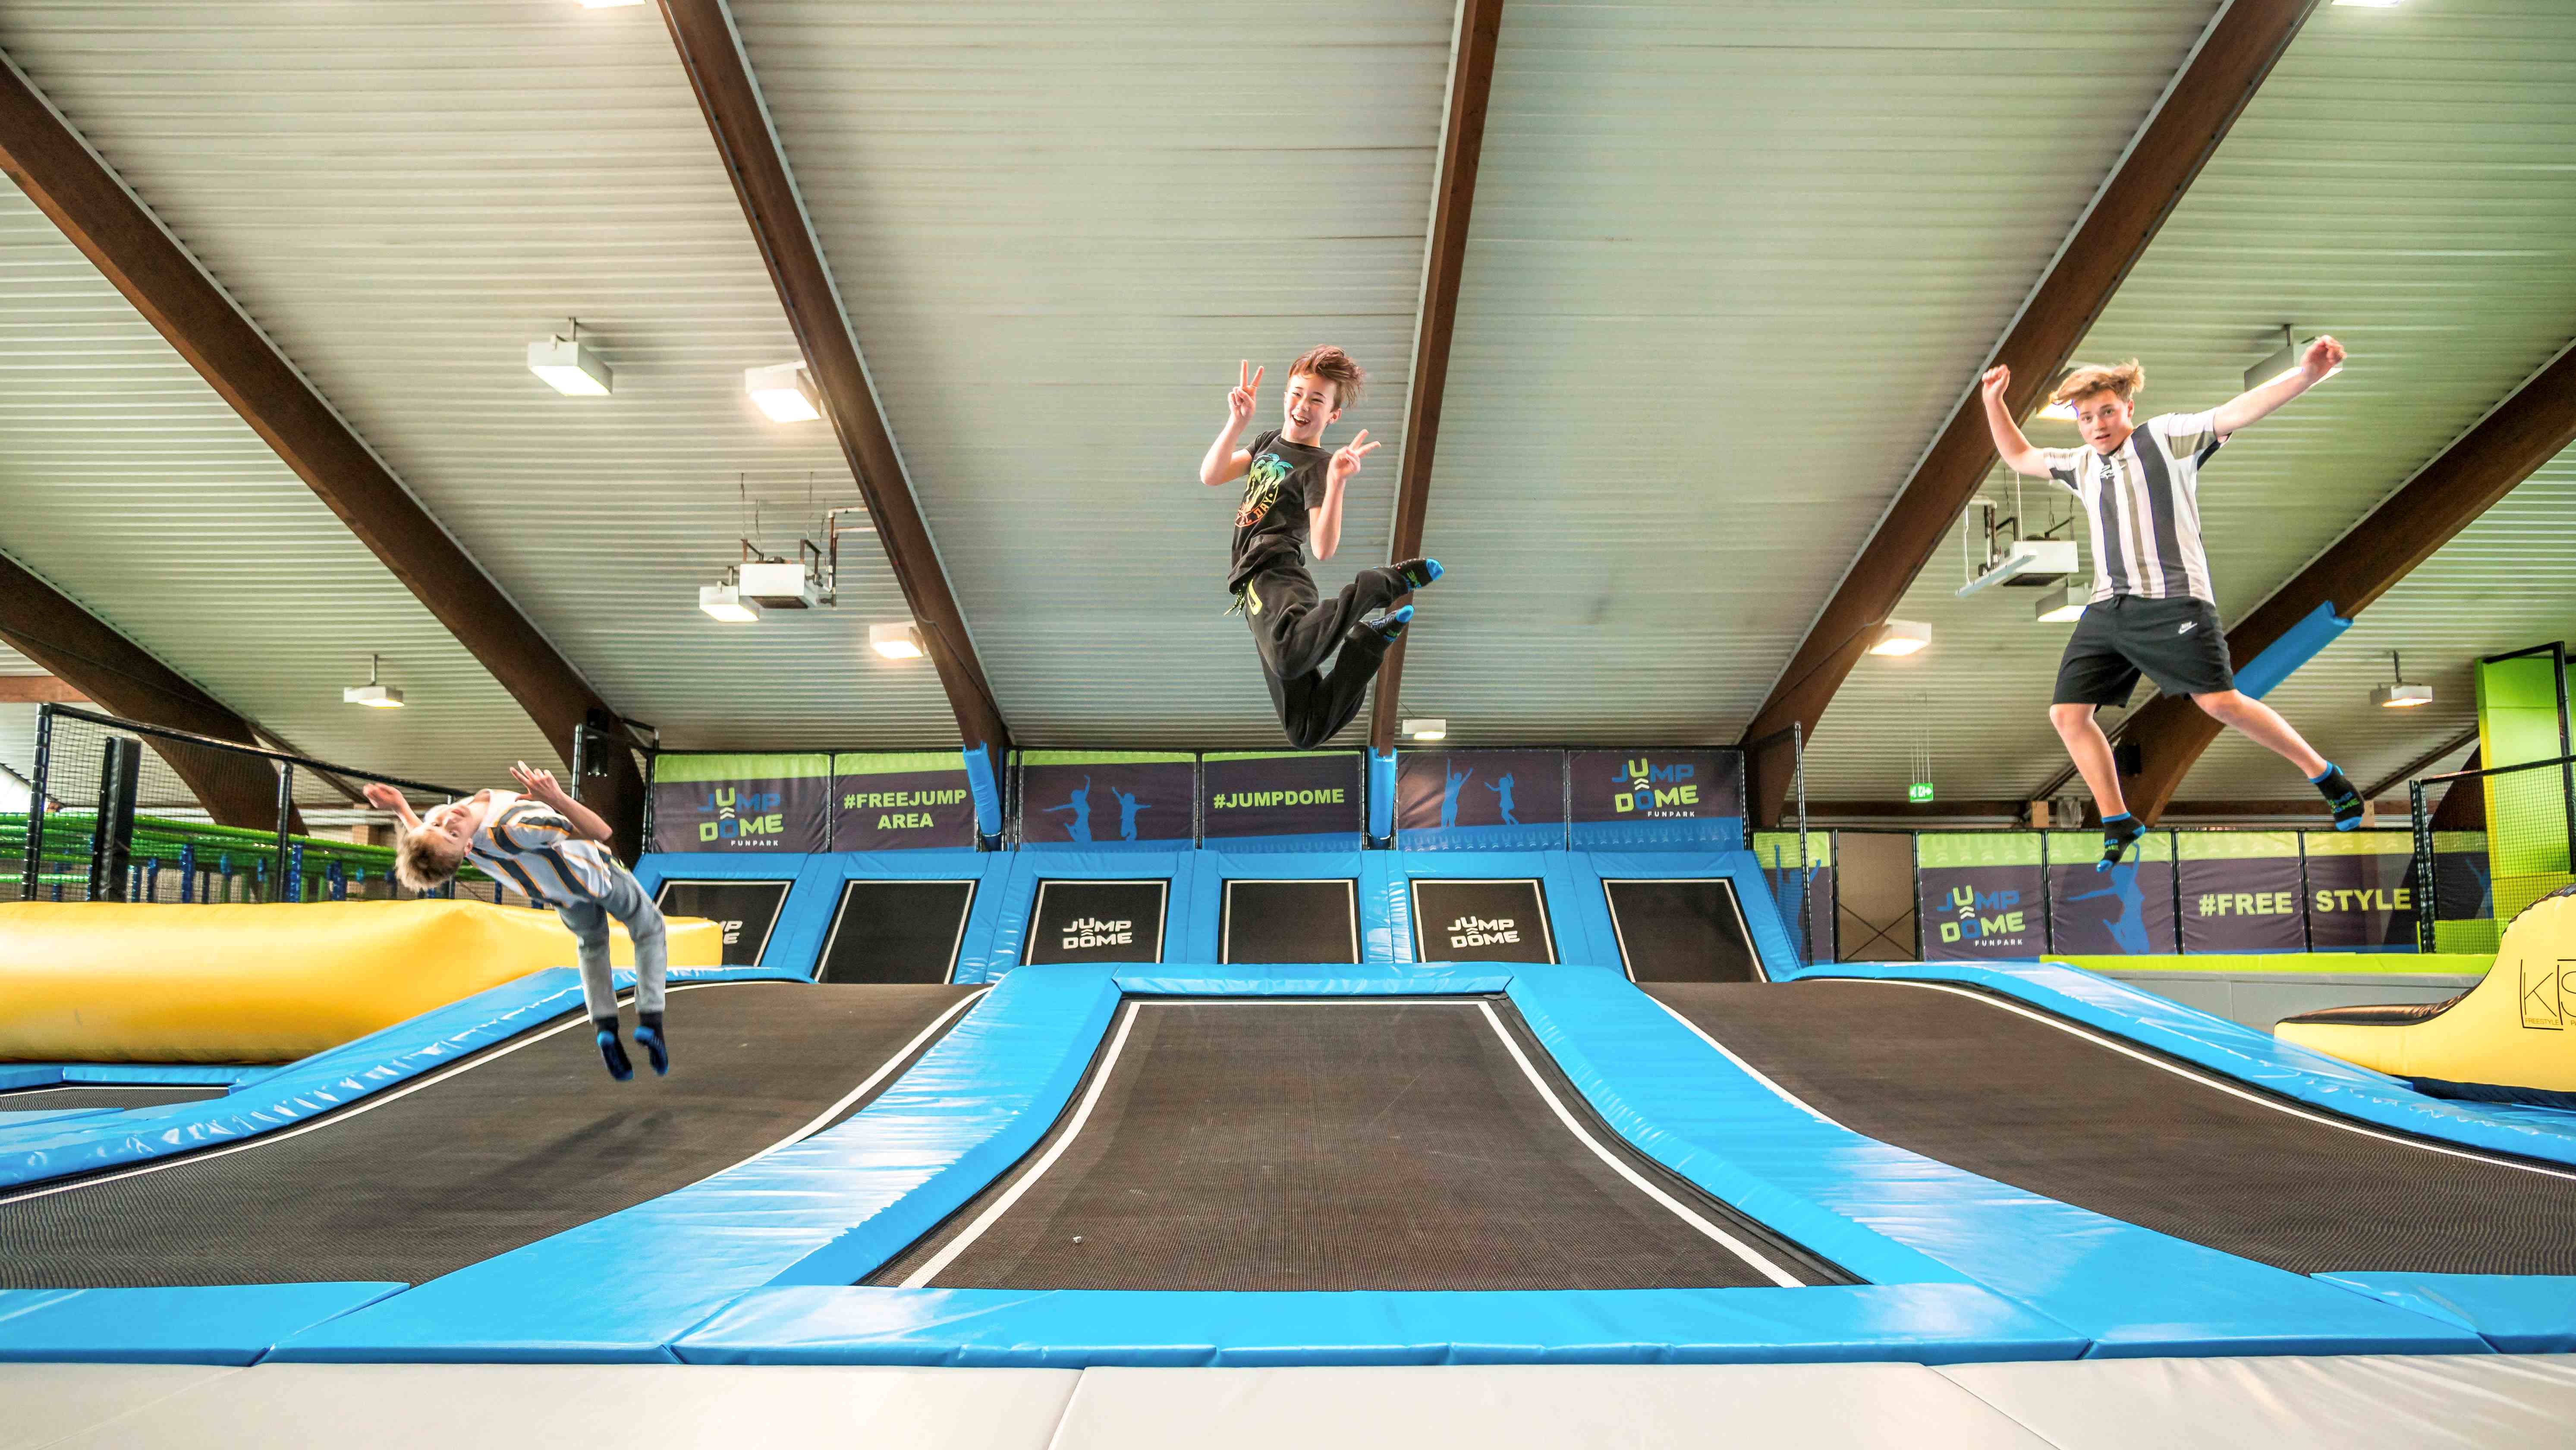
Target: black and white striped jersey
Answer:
pixel 2143 502
pixel 529 848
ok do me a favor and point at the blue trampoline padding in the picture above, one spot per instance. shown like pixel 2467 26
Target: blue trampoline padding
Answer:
pixel 1199 927
pixel 1381 795
pixel 302 1090
pixel 2518 1314
pixel 30 1074
pixel 168 1074
pixel 1390 899
pixel 1375 979
pixel 1704 833
pixel 17 1119
pixel 1289 845
pixel 2236 1051
pixel 797 937
pixel 1890 1216
pixel 1740 868
pixel 817 894
pixel 986 792
pixel 229 1324
pixel 827 1210
pixel 1550 837
pixel 1069 1329
pixel 1019 878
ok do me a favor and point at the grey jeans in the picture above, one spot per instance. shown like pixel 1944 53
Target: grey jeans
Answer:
pixel 589 923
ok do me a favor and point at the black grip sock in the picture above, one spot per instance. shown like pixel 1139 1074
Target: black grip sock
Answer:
pixel 2119 833
pixel 2341 798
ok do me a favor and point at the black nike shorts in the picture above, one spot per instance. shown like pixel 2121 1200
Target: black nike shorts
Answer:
pixel 2175 642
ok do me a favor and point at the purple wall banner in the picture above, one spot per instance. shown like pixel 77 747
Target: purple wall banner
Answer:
pixel 1105 798
pixel 741 802
pixel 1280 793
pixel 2125 911
pixel 2240 892
pixel 2359 898
pixel 901 802
pixel 1480 798
pixel 1978 895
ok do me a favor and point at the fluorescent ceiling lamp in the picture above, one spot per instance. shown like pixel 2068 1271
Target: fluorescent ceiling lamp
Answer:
pixel 371 694
pixel 608 4
pixel 784 392
pixel 2373 4
pixel 2397 694
pixel 2064 604
pixel 2281 364
pixel 570 366
pixel 896 641
pixel 723 601
pixel 1426 729
pixel 1901 637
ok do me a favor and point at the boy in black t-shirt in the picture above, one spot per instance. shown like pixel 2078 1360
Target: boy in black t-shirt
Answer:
pixel 1292 491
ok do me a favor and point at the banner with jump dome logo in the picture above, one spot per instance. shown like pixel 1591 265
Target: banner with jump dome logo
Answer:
pixel 905 801
pixel 1281 799
pixel 1107 799
pixel 1480 800
pixel 1691 798
pixel 1977 895
pixel 737 803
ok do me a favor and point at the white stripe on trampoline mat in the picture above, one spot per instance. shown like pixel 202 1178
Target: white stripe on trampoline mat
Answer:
pixel 884 1071
pixel 2205 1080
pixel 367 1104
pixel 1748 1069
pixel 1680 1210
pixel 920 1278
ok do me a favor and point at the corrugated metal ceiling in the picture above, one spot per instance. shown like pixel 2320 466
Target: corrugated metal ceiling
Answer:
pixel 2401 182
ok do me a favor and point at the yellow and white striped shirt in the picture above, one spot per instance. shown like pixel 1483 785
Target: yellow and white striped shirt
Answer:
pixel 527 847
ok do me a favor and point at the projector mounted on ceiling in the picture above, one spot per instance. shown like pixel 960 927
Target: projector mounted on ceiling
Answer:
pixel 2008 558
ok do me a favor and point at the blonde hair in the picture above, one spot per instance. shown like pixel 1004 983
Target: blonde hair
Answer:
pixel 2124 382
pixel 420 864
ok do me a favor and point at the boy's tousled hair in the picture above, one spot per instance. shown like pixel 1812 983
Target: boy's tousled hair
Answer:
pixel 2124 382
pixel 1334 366
pixel 418 863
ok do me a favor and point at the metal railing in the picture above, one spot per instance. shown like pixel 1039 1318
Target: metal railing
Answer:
pixel 2526 851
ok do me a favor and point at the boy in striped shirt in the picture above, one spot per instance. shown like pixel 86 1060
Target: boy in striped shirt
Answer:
pixel 2153 610
pixel 547 845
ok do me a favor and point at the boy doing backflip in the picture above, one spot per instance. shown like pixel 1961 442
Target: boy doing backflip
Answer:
pixel 2153 610
pixel 1292 495
pixel 547 845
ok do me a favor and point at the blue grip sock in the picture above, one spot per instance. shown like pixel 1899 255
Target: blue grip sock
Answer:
pixel 1390 625
pixel 649 1036
pixel 613 1052
pixel 1419 572
pixel 2340 796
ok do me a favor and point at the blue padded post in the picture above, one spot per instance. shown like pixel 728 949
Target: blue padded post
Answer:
pixel 988 796
pixel 2295 647
pixel 1381 797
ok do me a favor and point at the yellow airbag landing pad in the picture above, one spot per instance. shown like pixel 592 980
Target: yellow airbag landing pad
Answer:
pixel 111 982
pixel 2516 1028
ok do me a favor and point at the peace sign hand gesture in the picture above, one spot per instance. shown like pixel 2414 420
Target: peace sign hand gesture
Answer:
pixel 1346 459
pixel 1239 403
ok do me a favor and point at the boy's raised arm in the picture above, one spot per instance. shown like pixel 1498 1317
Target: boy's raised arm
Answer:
pixel 2322 357
pixel 2015 449
pixel 385 798
pixel 1225 462
pixel 541 784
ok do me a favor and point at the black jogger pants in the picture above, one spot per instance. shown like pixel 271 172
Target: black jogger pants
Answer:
pixel 1296 631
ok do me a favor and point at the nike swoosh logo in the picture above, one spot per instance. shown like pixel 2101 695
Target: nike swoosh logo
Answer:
pixel 2186 629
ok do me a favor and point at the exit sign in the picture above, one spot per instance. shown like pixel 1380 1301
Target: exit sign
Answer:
pixel 1919 792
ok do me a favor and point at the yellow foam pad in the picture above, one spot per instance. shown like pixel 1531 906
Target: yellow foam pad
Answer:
pixel 113 982
pixel 2514 1028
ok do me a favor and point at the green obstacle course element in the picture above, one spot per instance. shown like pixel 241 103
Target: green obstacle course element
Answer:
pixel 2520 705
pixel 250 854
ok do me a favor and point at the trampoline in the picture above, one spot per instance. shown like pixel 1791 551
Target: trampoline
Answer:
pixel 524 1139
pixel 897 931
pixel 1098 921
pixel 2003 1090
pixel 1465 919
pixel 1681 930
pixel 1345 1144
pixel 1290 921
pixel 746 909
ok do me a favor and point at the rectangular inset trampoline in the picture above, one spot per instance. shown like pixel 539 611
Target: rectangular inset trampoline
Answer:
pixel 1098 921
pixel 1457 919
pixel 897 931
pixel 1682 930
pixel 1361 1144
pixel 1290 921
pixel 747 910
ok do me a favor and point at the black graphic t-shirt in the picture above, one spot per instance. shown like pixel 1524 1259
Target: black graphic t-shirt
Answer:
pixel 1281 483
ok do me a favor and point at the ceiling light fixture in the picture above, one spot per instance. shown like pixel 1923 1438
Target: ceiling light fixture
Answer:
pixel 2373 4
pixel 784 392
pixel 2397 694
pixel 608 4
pixel 371 694
pixel 1901 637
pixel 1426 729
pixel 569 365
pixel 2282 363
pixel 725 602
pixel 2064 604
pixel 896 641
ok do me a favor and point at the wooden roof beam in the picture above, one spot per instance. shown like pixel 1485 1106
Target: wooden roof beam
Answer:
pixel 72 185
pixel 1462 145
pixel 2233 59
pixel 720 72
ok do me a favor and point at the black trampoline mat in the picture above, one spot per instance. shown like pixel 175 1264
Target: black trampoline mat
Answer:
pixel 1681 931
pixel 1323 1146
pixel 95 1095
pixel 519 1146
pixel 1290 921
pixel 1965 1080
